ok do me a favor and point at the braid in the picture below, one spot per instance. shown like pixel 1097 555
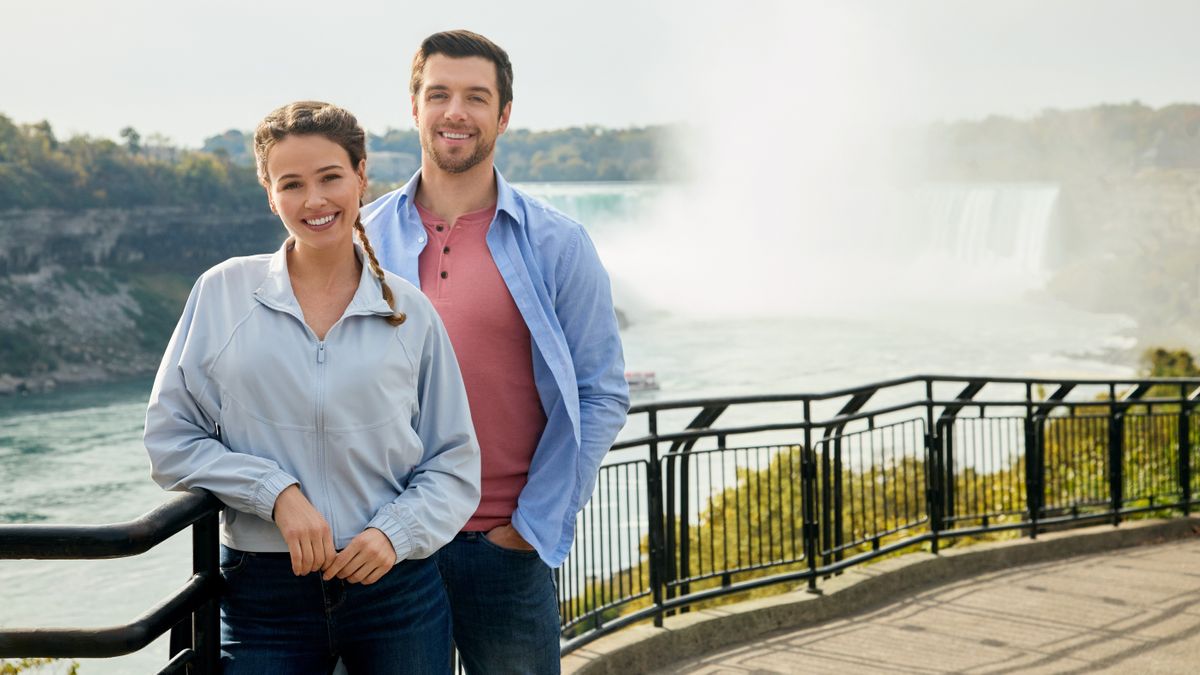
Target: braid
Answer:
pixel 396 318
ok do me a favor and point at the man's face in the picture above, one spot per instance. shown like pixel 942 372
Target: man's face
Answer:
pixel 457 111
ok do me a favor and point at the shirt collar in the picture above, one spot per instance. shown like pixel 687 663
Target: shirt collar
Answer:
pixel 276 288
pixel 506 196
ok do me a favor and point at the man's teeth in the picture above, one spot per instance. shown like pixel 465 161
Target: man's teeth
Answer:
pixel 320 221
pixel 457 137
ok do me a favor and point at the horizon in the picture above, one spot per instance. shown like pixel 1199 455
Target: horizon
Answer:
pixel 379 133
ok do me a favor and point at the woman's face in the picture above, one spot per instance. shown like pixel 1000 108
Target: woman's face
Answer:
pixel 315 190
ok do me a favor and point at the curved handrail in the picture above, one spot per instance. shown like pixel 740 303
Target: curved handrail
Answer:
pixel 114 640
pixel 116 540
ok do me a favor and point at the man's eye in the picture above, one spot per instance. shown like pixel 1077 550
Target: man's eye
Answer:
pixel 331 176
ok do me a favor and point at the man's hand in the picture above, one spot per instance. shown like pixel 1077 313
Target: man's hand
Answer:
pixel 506 536
pixel 309 539
pixel 368 557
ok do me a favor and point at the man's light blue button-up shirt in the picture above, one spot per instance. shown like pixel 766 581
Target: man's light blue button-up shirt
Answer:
pixel 562 291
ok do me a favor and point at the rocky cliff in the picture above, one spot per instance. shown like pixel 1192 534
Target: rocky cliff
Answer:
pixel 94 294
pixel 1129 246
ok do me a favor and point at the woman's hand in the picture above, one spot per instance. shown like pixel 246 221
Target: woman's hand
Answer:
pixel 368 557
pixel 309 539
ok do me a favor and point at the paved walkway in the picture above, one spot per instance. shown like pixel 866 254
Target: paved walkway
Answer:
pixel 1131 610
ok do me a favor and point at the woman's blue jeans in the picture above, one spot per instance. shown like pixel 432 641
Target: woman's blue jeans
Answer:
pixel 273 622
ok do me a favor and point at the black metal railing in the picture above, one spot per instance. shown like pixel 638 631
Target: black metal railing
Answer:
pixel 796 488
pixel 789 488
pixel 190 614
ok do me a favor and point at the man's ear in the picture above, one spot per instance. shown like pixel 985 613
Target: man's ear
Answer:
pixel 504 115
pixel 414 112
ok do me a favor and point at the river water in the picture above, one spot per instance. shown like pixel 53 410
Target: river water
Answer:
pixel 76 456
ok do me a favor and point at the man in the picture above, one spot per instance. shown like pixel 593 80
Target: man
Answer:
pixel 529 311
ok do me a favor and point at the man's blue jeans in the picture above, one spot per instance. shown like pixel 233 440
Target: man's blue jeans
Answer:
pixel 273 622
pixel 505 607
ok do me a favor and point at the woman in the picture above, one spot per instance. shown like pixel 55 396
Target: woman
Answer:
pixel 318 397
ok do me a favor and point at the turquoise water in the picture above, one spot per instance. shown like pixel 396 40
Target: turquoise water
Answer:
pixel 75 456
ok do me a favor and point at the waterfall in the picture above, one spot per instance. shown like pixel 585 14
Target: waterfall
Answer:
pixel 994 225
pixel 857 250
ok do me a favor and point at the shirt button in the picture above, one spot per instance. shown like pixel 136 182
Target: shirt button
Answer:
pixel 446 249
pixel 445 274
pixel 420 240
pixel 440 228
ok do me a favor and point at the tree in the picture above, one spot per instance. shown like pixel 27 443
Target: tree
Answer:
pixel 133 140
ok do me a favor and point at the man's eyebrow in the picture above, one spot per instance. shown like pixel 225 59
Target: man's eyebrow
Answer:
pixel 323 169
pixel 477 88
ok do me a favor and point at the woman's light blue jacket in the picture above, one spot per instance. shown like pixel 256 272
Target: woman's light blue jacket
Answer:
pixel 372 422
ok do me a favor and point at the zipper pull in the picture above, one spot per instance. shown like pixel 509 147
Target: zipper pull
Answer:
pixel 320 352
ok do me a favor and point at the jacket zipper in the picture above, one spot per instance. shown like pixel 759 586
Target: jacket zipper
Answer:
pixel 321 459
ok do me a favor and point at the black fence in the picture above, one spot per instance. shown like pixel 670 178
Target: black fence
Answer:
pixel 787 489
pixel 790 489
pixel 190 614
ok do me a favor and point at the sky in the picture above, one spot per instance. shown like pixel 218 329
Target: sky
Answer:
pixel 188 70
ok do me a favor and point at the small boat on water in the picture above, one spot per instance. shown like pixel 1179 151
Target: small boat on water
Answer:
pixel 641 380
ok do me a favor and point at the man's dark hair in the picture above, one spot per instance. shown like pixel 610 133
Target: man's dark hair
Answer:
pixel 461 44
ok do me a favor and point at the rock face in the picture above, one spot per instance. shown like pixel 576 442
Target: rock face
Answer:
pixel 1129 246
pixel 182 239
pixel 95 294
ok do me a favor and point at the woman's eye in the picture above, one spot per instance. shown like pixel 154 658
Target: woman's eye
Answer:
pixel 290 186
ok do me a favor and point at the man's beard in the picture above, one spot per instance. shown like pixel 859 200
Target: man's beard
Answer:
pixel 458 164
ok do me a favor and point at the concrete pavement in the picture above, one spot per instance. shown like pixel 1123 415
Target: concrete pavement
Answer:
pixel 1128 610
pixel 1079 600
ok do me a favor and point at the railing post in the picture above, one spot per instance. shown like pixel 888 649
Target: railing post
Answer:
pixel 808 490
pixel 945 444
pixel 1035 469
pixel 669 543
pixel 685 533
pixel 933 469
pixel 654 504
pixel 839 506
pixel 1185 450
pixel 935 475
pixel 206 622
pixel 1116 463
pixel 827 513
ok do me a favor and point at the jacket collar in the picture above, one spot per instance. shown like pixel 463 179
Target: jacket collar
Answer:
pixel 276 289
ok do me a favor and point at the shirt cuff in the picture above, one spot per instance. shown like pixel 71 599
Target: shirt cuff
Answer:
pixel 268 491
pixel 395 531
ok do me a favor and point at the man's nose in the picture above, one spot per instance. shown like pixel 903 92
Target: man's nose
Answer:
pixel 457 109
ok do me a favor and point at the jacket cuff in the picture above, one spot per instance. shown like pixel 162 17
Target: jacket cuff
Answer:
pixel 267 491
pixel 395 531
